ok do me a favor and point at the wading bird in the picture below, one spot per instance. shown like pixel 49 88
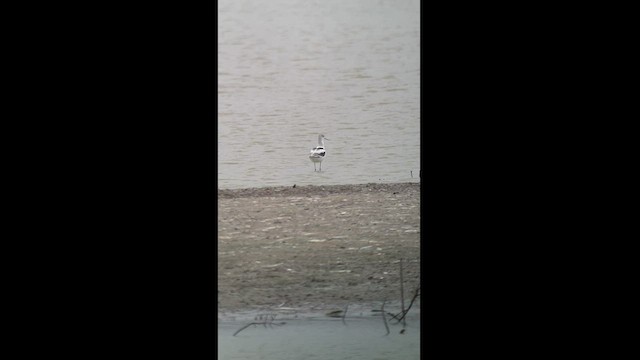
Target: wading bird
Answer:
pixel 317 153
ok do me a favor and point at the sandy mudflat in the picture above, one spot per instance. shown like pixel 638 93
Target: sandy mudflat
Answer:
pixel 317 247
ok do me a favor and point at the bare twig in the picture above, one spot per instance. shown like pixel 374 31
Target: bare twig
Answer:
pixel 394 316
pixel 389 313
pixel 417 293
pixel 384 318
pixel 244 327
pixel 345 314
pixel 404 323
pixel 266 322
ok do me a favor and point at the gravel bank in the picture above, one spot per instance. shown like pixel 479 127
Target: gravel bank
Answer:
pixel 315 247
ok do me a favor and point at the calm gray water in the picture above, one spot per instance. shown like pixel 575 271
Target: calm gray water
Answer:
pixel 292 69
pixel 321 338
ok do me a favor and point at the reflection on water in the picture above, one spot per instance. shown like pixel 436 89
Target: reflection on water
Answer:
pixel 362 338
pixel 290 70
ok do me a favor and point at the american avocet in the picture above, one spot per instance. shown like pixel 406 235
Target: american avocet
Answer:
pixel 318 152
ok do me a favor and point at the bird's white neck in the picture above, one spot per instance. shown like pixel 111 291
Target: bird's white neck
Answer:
pixel 320 141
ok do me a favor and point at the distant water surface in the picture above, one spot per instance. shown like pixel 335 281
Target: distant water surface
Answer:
pixel 289 70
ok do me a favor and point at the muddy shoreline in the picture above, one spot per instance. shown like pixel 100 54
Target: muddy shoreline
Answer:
pixel 317 247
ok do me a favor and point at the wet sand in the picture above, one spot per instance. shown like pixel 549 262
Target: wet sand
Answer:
pixel 315 248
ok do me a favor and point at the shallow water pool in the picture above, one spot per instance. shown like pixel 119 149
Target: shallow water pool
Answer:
pixel 363 337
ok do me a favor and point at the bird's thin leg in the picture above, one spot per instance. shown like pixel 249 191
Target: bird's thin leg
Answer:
pixel 314 167
pixel 320 166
